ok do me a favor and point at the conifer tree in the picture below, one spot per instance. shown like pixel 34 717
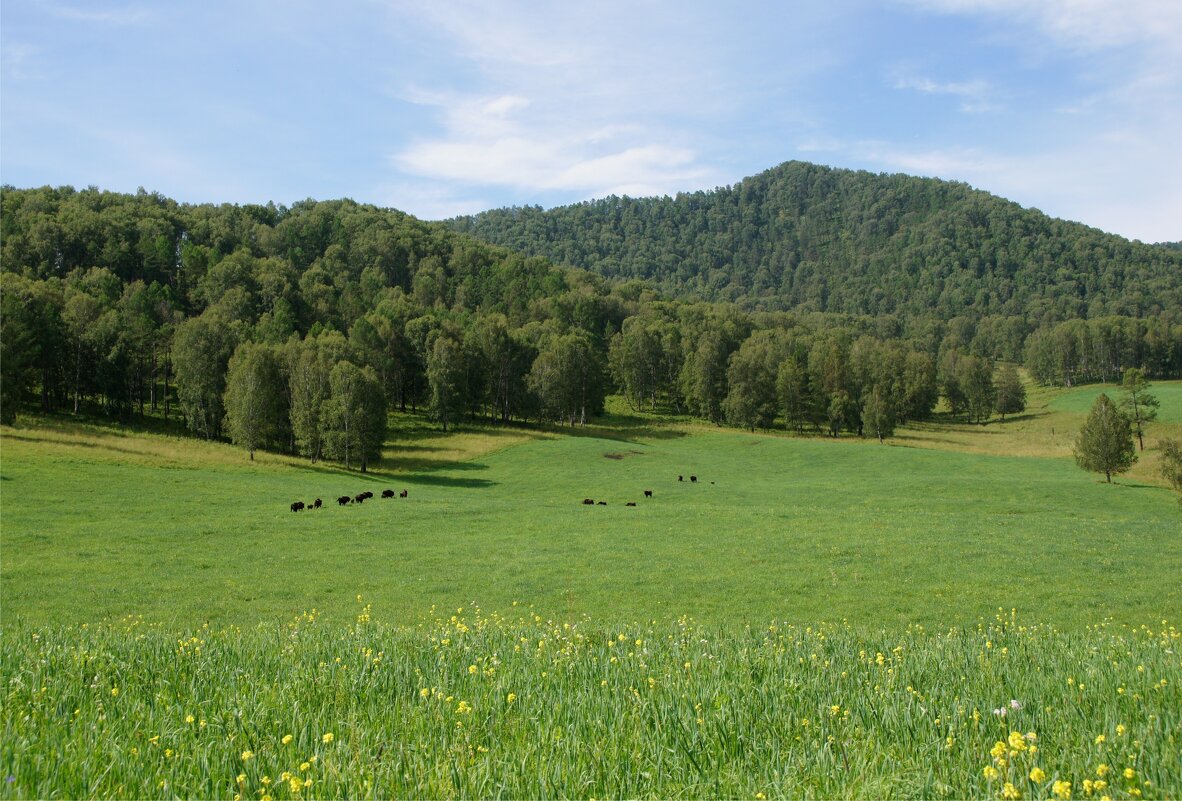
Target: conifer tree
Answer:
pixel 1105 443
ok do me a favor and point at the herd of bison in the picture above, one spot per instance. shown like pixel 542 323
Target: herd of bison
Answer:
pixel 345 500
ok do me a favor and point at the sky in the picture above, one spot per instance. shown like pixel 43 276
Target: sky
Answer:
pixel 445 108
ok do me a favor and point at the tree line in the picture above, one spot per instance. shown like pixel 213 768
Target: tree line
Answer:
pixel 296 329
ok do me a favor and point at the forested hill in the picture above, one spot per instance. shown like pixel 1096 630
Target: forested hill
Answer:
pixel 803 236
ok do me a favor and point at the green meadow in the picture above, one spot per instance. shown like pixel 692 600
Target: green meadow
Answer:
pixel 100 522
pixel 811 618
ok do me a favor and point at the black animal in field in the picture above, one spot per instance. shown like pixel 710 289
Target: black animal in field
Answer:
pixel 648 493
pixel 588 502
pixel 359 498
pixel 402 494
pixel 344 500
pixel 681 478
pixel 297 506
pixel 602 503
pixel 316 504
pixel 693 479
pixel 367 495
pixel 387 493
pixel 630 503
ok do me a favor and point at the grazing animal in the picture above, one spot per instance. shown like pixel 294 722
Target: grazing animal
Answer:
pixel 694 479
pixel 297 506
pixel 402 494
pixel 344 500
pixel 602 503
pixel 588 502
pixel 387 493
pixel 681 478
pixel 316 504
pixel 630 503
pixel 367 494
pixel 359 498
pixel 648 493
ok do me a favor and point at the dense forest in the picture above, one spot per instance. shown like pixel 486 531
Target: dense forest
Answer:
pixel 806 237
pixel 296 329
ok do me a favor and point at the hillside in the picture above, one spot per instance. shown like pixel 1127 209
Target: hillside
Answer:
pixel 803 236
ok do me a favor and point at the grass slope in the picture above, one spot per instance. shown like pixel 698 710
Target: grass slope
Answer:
pixel 103 523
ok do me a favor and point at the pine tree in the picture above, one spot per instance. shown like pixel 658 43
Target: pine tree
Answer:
pixel 1105 443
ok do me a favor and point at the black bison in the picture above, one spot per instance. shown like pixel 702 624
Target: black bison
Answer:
pixel 402 494
pixel 694 479
pixel 344 500
pixel 316 504
pixel 648 493
pixel 367 495
pixel 359 498
pixel 602 503
pixel 387 493
pixel 297 506
pixel 681 478
pixel 630 503
pixel 588 502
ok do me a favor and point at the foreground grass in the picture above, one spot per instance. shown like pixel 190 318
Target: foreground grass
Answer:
pixel 477 705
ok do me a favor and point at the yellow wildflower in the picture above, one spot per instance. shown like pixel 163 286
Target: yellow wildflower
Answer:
pixel 1099 739
pixel 327 738
pixel 1102 770
pixel 1010 793
pixel 1062 790
pixel 472 669
pixel 1037 775
pixel 247 755
pixel 304 767
pixel 189 718
pixel 1120 729
pixel 1017 742
pixel 511 697
pixel 1129 773
pixel 114 691
pixel 287 738
pixel 760 797
pixel 295 784
pixel 423 693
pixel 990 772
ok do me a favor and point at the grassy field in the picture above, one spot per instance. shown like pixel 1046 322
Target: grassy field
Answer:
pixel 476 705
pixel 99 522
pixel 812 618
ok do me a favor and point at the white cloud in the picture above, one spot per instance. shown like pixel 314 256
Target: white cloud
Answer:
pixel 1085 24
pixel 975 96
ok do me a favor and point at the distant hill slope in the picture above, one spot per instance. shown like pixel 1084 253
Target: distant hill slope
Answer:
pixel 803 236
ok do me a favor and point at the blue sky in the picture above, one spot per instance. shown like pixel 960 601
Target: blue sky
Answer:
pixel 1071 106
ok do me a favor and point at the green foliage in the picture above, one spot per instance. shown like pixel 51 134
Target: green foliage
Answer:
pixel 354 415
pixel 447 372
pixel 1011 392
pixel 568 378
pixel 1171 464
pixel 1138 403
pixel 878 414
pixel 803 236
pixel 1105 442
pixel 256 398
pixel 201 350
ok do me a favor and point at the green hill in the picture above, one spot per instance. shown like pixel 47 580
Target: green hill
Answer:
pixel 803 236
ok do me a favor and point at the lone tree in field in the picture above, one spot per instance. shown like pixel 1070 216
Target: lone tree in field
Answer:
pixel 1138 403
pixel 1105 443
pixel 1171 464
pixel 1011 393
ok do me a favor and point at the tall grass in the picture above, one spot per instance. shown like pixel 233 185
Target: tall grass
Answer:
pixel 485 705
